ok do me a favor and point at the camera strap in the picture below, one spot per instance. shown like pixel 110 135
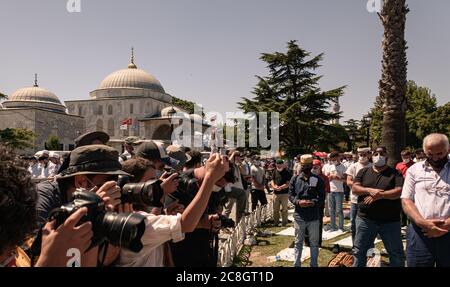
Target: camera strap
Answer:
pixel 35 249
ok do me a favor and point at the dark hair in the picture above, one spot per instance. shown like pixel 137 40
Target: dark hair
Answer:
pixel 419 150
pixel 137 167
pixel 196 158
pixel 334 154
pixel 380 147
pixel 405 152
pixel 17 200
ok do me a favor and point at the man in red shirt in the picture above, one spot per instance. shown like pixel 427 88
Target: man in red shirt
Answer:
pixel 406 162
pixel 402 167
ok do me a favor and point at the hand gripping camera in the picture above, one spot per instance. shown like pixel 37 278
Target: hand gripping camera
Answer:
pixel 120 229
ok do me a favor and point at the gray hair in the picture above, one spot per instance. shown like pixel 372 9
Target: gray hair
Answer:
pixel 436 139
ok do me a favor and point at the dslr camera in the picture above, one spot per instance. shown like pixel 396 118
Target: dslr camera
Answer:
pixel 147 193
pixel 226 222
pixel 120 229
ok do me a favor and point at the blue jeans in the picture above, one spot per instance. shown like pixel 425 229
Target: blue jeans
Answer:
pixel 313 228
pixel 422 251
pixel 353 213
pixel 366 232
pixel 336 207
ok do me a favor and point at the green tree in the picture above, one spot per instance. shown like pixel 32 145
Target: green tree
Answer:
pixel 53 143
pixel 394 75
pixel 423 116
pixel 183 104
pixel 292 90
pixel 17 138
pixel 3 96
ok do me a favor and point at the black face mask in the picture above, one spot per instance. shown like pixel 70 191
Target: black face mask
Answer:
pixel 440 163
pixel 306 169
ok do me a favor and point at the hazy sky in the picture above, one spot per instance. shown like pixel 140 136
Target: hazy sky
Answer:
pixel 208 51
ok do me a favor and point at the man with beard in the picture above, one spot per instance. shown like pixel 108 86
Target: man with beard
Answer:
pixel 426 201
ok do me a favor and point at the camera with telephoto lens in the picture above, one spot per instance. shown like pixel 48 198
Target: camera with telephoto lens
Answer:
pixel 147 193
pixel 226 222
pixel 119 229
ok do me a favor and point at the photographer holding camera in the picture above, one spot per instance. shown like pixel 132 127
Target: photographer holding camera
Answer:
pixel 91 167
pixel 162 228
pixel 18 220
pixel 199 248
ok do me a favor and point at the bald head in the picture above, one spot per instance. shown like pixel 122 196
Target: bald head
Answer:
pixel 436 146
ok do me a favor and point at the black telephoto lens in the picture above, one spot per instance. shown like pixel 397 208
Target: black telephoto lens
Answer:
pixel 123 229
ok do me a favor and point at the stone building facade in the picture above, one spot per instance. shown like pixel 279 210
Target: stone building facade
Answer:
pixel 41 112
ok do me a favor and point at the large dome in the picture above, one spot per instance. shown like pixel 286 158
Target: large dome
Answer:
pixel 132 78
pixel 34 97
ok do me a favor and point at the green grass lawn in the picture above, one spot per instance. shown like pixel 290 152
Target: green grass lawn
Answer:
pixel 256 256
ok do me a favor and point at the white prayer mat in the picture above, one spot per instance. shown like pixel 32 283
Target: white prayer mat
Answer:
pixel 288 254
pixel 287 232
pixel 347 242
pixel 327 235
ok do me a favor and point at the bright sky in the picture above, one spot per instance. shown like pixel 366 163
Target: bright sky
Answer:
pixel 208 51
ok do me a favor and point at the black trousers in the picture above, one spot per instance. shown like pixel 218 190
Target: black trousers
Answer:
pixel 258 195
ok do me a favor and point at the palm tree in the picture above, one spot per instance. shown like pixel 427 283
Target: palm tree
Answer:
pixel 393 80
pixel 3 97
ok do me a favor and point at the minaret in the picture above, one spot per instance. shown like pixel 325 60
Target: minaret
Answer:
pixel 336 109
pixel 36 81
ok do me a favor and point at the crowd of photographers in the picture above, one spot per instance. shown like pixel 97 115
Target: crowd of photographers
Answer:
pixel 152 206
pixel 149 206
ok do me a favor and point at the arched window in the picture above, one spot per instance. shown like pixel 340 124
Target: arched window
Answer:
pixel 99 126
pixel 110 126
pixel 100 110
pixel 110 110
pixel 80 110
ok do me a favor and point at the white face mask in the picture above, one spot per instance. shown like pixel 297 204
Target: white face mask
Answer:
pixel 406 160
pixel 379 160
pixel 228 187
pixel 334 162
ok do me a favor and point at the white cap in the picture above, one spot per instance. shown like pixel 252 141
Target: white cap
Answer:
pixel 364 149
pixel 54 155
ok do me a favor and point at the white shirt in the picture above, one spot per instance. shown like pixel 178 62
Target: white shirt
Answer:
pixel 353 170
pixel 158 230
pixel 258 173
pixel 339 170
pixel 34 170
pixel 429 191
pixel 53 169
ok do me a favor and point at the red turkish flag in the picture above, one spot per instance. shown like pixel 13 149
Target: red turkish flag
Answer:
pixel 127 122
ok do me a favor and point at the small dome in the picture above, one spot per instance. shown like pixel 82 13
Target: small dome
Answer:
pixel 170 110
pixel 34 97
pixel 196 118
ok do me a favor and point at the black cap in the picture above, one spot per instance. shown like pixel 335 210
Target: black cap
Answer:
pixel 88 138
pixel 152 150
pixel 94 159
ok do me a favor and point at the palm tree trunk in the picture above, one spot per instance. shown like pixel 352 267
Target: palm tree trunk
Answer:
pixel 393 81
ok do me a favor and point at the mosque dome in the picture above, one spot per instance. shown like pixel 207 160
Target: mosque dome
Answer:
pixel 34 96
